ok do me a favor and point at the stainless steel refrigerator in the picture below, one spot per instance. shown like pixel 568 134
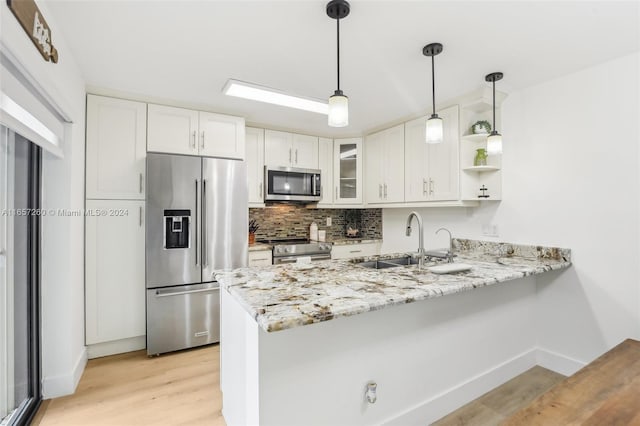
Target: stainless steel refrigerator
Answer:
pixel 196 224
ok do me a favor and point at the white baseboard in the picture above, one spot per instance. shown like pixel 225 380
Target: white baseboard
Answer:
pixel 558 363
pixel 457 396
pixel 117 347
pixel 65 384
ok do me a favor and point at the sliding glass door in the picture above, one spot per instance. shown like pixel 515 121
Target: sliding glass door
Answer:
pixel 20 164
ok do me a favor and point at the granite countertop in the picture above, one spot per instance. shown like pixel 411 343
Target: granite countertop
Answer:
pixel 286 296
pixel 260 247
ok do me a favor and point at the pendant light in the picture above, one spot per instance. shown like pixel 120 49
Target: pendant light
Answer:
pixel 434 128
pixel 494 141
pixel 338 102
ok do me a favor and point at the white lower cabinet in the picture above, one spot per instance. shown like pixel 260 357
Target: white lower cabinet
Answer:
pixel 349 251
pixel 260 258
pixel 115 271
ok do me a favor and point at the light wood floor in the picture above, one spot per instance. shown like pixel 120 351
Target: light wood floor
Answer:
pixel 181 388
pixel 495 406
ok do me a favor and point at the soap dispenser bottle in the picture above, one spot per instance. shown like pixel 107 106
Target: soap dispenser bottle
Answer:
pixel 313 231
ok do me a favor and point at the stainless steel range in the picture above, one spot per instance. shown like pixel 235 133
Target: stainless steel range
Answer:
pixel 290 250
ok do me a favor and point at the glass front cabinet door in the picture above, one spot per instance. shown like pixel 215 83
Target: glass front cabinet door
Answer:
pixel 348 171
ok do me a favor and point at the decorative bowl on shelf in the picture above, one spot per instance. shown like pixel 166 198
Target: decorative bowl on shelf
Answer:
pixel 481 127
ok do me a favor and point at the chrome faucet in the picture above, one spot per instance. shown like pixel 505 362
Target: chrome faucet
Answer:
pixel 420 235
pixel 450 254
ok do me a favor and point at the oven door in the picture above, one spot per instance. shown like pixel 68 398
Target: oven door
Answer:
pixel 294 259
pixel 291 184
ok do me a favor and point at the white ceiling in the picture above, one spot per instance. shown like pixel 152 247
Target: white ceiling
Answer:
pixel 186 50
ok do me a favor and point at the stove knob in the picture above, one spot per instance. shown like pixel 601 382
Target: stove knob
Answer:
pixel 287 250
pixel 278 249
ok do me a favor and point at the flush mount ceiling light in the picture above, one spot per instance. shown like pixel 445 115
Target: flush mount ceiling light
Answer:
pixel 255 92
pixel 338 102
pixel 494 141
pixel 433 131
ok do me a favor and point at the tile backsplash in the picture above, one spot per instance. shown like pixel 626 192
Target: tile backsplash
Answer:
pixel 283 220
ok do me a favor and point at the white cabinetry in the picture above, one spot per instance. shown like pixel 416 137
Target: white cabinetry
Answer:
pixel 260 258
pixel 116 148
pixel 184 131
pixel 384 165
pixel 349 251
pixel 115 289
pixel 290 150
pixel 325 164
pixel 255 165
pixel 347 171
pixel 432 170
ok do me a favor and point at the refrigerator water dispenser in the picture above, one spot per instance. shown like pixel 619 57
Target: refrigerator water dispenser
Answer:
pixel 176 229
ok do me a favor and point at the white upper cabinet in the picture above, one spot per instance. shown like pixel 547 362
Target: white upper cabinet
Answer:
pixel 116 139
pixel 221 136
pixel 255 164
pixel 347 171
pixel 285 149
pixel 172 130
pixel 184 131
pixel 325 164
pixel 305 151
pixel 278 148
pixel 432 170
pixel 444 164
pixel 384 153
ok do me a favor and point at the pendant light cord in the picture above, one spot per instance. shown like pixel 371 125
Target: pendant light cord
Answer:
pixel 338 43
pixel 494 105
pixel 433 83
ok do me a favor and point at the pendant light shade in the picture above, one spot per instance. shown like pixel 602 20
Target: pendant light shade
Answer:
pixel 338 110
pixel 494 141
pixel 338 102
pixel 434 132
pixel 434 129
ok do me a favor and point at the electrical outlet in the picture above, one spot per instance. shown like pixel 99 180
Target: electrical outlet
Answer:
pixel 490 230
pixel 329 221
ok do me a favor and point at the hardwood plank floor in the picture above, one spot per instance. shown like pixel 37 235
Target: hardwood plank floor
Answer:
pixel 181 388
pixel 495 406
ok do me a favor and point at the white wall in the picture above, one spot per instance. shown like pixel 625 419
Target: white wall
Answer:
pixel 571 179
pixel 63 352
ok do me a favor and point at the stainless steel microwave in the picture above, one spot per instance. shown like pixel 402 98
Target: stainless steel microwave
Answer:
pixel 291 184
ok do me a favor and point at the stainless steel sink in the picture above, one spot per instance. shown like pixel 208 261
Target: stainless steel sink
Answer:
pixel 378 264
pixel 403 261
pixel 389 263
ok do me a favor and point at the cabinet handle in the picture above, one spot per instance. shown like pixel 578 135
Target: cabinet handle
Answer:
pixel 260 189
pixel 424 187
pixel 336 193
pixel 380 191
pixel 202 141
pixel 194 140
pixel 296 156
pixel 289 155
pixel 430 186
pixel 385 191
pixel 140 212
pixel 141 183
pixel 355 251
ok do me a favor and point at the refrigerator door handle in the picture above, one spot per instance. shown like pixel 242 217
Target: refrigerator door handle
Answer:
pixel 204 224
pixel 169 293
pixel 195 234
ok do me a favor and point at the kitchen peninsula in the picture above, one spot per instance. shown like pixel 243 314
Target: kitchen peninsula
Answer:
pixel 296 351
